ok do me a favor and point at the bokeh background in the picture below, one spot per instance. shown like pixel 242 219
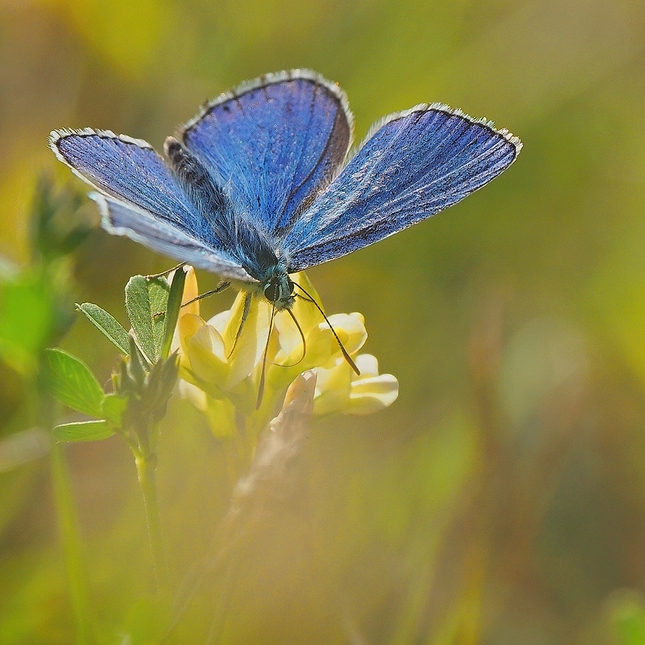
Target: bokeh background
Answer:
pixel 501 499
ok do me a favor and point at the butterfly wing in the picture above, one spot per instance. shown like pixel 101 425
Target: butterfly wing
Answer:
pixel 139 197
pixel 273 143
pixel 119 218
pixel 413 165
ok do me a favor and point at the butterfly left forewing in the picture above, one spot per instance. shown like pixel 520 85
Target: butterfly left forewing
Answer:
pixel 273 143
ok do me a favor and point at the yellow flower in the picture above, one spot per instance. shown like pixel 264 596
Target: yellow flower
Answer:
pixel 221 362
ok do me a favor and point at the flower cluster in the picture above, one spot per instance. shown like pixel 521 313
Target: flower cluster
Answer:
pixel 221 364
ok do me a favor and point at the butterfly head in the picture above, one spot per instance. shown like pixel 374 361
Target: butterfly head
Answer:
pixel 278 290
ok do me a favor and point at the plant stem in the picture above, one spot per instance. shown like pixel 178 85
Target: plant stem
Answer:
pixel 148 481
pixel 72 546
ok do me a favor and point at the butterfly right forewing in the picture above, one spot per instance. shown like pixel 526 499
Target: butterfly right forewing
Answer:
pixel 414 165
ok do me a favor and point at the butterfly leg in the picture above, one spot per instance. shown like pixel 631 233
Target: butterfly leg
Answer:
pixel 164 273
pixel 222 286
pixel 264 361
pixel 245 314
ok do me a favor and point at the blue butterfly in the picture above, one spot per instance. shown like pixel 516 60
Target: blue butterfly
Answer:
pixel 261 184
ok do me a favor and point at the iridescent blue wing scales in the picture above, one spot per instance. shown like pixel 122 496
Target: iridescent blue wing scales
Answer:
pixel 130 170
pixel 140 198
pixel 274 143
pixel 413 165
pixel 255 181
pixel 119 218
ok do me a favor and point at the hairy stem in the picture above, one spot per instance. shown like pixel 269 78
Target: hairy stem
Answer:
pixel 146 471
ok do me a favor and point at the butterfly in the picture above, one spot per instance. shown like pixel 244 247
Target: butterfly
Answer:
pixel 262 184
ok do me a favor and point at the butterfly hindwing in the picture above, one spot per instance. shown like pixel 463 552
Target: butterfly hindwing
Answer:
pixel 414 165
pixel 273 143
pixel 123 219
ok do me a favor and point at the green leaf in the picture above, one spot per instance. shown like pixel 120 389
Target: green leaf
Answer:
pixel 113 408
pixel 158 289
pixel 83 431
pixel 174 305
pixel 137 304
pixel 109 326
pixel 72 382
pixel 146 301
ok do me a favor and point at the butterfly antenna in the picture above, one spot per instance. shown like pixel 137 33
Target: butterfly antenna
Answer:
pixel 264 361
pixel 245 313
pixel 222 286
pixel 348 358
pixel 304 341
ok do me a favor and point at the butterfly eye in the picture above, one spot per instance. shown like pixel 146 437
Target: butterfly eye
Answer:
pixel 272 290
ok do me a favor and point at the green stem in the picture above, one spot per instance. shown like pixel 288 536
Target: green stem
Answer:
pixel 72 546
pixel 148 481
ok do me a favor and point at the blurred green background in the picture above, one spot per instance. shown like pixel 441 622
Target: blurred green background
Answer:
pixel 501 499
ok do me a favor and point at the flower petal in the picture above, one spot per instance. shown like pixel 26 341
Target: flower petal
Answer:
pixel 205 351
pixel 187 326
pixel 350 329
pixel 367 364
pixel 249 349
pixel 191 291
pixel 306 312
pixel 333 387
pixel 368 395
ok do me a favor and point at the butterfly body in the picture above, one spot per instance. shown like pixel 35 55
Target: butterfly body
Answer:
pixel 235 231
pixel 260 184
